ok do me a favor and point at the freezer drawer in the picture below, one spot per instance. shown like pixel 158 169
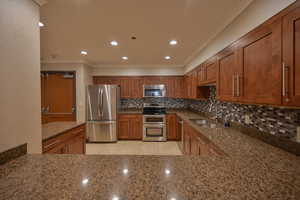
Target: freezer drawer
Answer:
pixel 102 131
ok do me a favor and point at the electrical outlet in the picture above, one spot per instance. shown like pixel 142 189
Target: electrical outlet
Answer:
pixel 247 119
pixel 298 134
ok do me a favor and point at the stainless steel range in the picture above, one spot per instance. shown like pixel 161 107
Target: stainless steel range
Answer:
pixel 154 122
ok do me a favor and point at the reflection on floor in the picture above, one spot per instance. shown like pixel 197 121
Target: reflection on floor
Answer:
pixel 134 148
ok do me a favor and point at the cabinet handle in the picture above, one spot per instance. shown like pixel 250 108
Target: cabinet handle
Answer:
pixel 52 144
pixel 285 89
pixel 233 86
pixel 238 85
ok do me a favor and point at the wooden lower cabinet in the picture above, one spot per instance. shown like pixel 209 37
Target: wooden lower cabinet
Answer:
pixel 130 127
pixel 69 142
pixel 196 144
pixel 173 129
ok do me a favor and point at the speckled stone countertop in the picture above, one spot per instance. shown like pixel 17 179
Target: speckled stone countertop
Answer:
pixel 55 128
pixel 90 177
pixel 252 169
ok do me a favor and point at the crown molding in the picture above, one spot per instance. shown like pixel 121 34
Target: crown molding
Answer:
pixel 132 66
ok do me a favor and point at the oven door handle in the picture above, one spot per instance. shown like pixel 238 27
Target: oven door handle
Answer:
pixel 154 125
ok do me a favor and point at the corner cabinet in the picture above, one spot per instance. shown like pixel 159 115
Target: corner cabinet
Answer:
pixel 291 59
pixel 194 143
pixel 68 142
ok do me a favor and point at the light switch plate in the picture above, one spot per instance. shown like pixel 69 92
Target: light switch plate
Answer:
pixel 247 119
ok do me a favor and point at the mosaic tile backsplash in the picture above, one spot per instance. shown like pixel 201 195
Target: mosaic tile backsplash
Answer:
pixel 276 121
pixel 170 103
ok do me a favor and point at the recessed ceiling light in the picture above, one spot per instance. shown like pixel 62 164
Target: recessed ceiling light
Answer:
pixel 114 43
pixel 173 42
pixel 167 171
pixel 168 57
pixel 115 198
pixel 41 24
pixel 125 171
pixel 85 181
pixel 125 58
pixel 83 52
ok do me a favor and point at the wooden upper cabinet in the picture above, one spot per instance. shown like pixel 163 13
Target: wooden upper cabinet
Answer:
pixel 227 71
pixel 259 54
pixel 125 88
pixel 201 75
pixel 211 70
pixel 291 59
pixel 179 87
pixel 136 86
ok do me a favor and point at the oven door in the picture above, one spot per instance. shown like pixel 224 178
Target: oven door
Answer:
pixel 154 132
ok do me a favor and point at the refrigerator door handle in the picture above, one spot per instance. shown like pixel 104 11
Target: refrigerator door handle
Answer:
pixel 101 122
pixel 99 103
pixel 102 103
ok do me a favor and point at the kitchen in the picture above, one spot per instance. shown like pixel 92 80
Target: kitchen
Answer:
pixel 133 124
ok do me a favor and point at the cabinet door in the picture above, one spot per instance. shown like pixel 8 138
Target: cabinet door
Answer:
pixel 291 59
pixel 172 127
pixel 194 85
pixel 260 56
pixel 125 88
pixel 124 127
pixel 179 87
pixel 60 96
pixel 186 140
pixel 137 88
pixel 211 70
pixel 76 145
pixel 179 128
pixel 136 127
pixel 195 144
pixel 227 71
pixel 201 75
pixel 170 84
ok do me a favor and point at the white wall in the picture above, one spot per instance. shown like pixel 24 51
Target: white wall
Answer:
pixel 83 78
pixel 254 15
pixel 20 100
pixel 137 71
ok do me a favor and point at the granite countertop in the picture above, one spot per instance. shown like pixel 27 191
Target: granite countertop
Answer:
pixel 251 169
pixel 150 177
pixel 55 128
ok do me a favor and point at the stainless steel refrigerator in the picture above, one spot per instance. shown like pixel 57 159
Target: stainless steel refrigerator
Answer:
pixel 102 107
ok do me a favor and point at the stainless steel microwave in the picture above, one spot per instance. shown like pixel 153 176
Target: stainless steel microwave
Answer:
pixel 154 91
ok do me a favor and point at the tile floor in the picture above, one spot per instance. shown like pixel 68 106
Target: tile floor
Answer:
pixel 134 148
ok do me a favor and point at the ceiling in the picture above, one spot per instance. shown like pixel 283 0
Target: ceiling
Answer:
pixel 90 25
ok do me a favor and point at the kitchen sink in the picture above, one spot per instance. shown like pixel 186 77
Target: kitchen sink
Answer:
pixel 205 123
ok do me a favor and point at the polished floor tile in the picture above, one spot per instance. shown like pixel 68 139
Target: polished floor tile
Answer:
pixel 134 148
